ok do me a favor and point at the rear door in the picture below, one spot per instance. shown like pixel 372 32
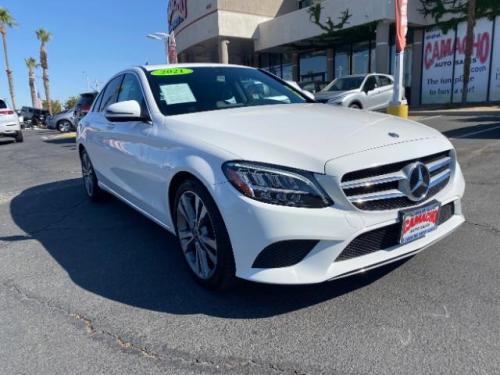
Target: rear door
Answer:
pixel 98 132
pixel 372 98
pixel 386 89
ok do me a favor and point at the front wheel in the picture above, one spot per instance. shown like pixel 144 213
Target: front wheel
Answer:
pixel 64 126
pixel 354 106
pixel 94 192
pixel 203 237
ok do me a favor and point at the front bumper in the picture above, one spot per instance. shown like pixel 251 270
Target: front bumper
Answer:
pixel 253 226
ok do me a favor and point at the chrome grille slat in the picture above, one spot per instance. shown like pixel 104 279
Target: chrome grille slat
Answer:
pixel 437 179
pixel 435 165
pixel 369 181
pixel 382 187
pixel 388 194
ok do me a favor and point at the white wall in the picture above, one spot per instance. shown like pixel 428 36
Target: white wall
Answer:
pixel 208 19
pixel 285 29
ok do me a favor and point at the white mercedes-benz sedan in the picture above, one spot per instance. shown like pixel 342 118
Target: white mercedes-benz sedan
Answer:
pixel 259 182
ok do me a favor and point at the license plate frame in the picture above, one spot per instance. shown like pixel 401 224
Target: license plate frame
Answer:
pixel 425 221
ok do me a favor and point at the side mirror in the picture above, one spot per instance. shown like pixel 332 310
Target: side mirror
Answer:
pixel 124 111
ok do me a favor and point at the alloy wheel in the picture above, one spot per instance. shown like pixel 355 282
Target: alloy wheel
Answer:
pixel 64 126
pixel 196 235
pixel 88 174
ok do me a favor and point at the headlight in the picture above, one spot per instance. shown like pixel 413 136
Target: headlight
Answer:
pixel 276 185
pixel 337 100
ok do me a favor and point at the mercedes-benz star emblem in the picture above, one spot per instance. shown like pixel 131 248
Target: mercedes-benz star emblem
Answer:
pixel 416 185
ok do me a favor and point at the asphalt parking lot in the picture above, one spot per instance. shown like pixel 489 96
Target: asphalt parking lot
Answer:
pixel 98 289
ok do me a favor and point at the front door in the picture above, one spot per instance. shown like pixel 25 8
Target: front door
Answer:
pixel 137 171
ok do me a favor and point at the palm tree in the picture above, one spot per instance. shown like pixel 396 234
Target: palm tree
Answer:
pixel 44 37
pixel 6 22
pixel 31 64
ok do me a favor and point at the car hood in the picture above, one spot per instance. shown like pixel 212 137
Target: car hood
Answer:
pixel 303 136
pixel 332 95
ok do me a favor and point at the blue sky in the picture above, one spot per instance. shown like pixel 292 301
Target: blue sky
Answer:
pixel 98 37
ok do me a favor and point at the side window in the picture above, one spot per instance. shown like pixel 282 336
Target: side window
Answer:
pixel 130 90
pixel 110 95
pixel 370 84
pixel 97 102
pixel 384 81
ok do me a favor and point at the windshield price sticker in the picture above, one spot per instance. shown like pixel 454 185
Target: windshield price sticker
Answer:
pixel 177 94
pixel 171 72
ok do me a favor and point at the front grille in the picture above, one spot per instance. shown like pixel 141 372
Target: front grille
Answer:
pixel 385 237
pixel 378 188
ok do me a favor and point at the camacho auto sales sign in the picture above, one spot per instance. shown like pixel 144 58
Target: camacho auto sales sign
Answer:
pixel 177 13
pixel 442 76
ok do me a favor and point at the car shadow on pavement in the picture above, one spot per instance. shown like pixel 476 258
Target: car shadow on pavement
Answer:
pixel 115 252
pixel 486 127
pixel 61 141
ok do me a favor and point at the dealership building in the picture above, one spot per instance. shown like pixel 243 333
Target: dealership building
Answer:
pixel 279 36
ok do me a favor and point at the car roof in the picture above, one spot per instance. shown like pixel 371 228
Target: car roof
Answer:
pixel 150 68
pixel 365 75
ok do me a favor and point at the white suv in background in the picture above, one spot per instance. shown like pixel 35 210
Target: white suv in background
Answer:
pixel 9 123
pixel 362 91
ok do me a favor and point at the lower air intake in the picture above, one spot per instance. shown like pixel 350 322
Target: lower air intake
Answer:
pixel 284 254
pixel 385 237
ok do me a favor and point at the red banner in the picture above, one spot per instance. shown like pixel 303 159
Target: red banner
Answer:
pixel 401 24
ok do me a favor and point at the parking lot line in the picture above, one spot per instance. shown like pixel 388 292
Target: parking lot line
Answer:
pixel 429 118
pixel 476 132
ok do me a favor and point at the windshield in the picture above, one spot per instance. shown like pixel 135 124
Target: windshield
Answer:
pixel 189 90
pixel 344 84
pixel 86 100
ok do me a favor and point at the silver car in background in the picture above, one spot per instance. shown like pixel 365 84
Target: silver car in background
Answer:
pixel 364 91
pixel 63 121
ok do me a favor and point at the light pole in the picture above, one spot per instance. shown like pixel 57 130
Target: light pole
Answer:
pixel 165 37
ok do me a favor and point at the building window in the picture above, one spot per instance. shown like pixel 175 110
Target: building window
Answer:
pixel 407 63
pixel 360 58
pixel 278 64
pixel 275 64
pixel 271 62
pixel 305 3
pixel 287 67
pixel 373 58
pixel 342 61
pixel 313 66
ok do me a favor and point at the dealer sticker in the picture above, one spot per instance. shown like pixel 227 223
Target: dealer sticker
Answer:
pixel 171 72
pixel 417 223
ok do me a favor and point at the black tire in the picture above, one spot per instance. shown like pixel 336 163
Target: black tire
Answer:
pixel 354 106
pixel 223 273
pixel 64 126
pixel 90 182
pixel 19 136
